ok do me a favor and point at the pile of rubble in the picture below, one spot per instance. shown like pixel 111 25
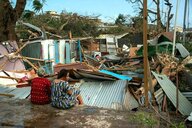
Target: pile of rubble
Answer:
pixel 113 81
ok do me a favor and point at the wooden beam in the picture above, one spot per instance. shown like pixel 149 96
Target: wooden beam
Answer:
pixel 145 52
pixel 9 77
pixel 31 64
pixel 8 95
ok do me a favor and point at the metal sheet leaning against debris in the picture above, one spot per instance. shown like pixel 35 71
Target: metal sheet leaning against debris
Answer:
pixel 169 88
pixel 108 94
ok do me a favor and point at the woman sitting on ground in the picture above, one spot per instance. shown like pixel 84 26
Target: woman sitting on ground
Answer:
pixel 62 94
pixel 40 88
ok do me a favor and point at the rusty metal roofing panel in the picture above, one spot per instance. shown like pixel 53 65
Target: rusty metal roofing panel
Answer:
pixel 58 67
pixel 93 76
pixel 92 61
pixel 169 88
pixel 107 94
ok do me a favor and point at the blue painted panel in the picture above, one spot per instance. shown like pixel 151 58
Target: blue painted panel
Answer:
pixel 68 53
pixel 79 50
pixel 56 52
pixel 121 77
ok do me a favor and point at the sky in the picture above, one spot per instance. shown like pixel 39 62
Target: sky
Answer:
pixel 108 9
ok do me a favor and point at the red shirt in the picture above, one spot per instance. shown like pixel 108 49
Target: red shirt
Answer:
pixel 40 90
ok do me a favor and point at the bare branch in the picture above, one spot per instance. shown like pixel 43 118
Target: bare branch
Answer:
pixel 132 1
pixel 63 25
pixel 170 17
pixel 151 19
pixel 141 2
pixel 155 2
pixel 150 11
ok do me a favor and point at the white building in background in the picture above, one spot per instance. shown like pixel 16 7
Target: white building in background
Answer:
pixel 53 14
pixel 179 29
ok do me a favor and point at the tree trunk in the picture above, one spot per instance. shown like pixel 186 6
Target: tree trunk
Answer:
pixel 160 26
pixel 8 18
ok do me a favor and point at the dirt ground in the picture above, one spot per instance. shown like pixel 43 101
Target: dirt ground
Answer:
pixel 21 113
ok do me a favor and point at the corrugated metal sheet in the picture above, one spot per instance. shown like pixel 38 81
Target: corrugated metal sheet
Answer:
pixel 188 95
pixel 18 93
pixel 111 45
pixel 21 93
pixel 92 76
pixel 92 61
pixel 68 53
pixel 129 102
pixel 105 94
pixel 62 51
pixel 4 89
pixel 165 36
pixel 159 96
pixel 103 48
pixel 48 49
pixel 132 74
pixel 185 107
pixel 183 51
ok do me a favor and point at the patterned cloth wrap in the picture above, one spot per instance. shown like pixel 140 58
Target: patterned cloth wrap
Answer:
pixel 59 96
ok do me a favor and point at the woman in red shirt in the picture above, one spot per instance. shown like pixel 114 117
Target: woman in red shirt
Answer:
pixel 40 89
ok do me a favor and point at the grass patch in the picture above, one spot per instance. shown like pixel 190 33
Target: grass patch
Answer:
pixel 145 119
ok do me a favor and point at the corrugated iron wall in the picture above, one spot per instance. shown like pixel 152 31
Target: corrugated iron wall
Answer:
pixel 103 94
pixel 26 51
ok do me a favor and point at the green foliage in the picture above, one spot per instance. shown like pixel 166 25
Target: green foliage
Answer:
pixel 179 125
pixel 137 23
pixel 188 46
pixel 117 30
pixel 121 19
pixel 62 24
pixel 27 14
pixel 37 5
pixel 145 118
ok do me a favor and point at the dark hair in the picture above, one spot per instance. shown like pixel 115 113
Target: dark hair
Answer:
pixel 32 69
pixel 62 73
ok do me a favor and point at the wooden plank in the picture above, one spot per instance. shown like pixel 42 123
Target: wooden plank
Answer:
pixel 5 94
pixel 145 52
